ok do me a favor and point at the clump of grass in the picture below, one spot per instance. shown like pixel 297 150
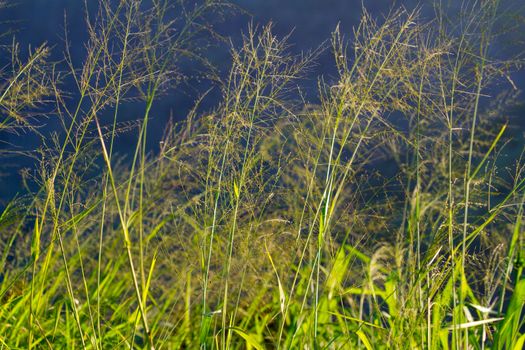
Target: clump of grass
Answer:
pixel 265 222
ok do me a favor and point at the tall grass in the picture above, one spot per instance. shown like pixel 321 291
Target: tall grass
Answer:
pixel 381 216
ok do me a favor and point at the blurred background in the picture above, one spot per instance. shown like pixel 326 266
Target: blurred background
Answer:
pixel 310 23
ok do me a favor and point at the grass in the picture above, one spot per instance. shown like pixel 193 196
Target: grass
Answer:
pixel 381 216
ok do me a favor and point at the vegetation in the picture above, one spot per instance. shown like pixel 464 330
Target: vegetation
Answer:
pixel 382 216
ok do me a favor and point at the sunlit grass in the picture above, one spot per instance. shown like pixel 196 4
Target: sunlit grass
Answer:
pixel 269 221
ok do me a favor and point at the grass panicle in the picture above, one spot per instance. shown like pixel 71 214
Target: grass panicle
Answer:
pixel 380 214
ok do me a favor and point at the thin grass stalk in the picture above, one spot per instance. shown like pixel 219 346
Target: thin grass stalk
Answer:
pixel 127 242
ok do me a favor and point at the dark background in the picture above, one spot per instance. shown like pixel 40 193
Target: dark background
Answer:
pixel 310 21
